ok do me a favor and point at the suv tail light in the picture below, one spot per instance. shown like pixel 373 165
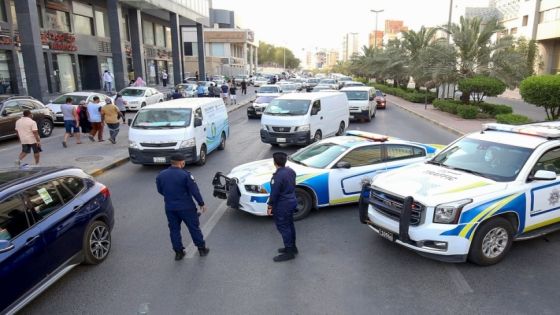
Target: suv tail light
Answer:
pixel 105 192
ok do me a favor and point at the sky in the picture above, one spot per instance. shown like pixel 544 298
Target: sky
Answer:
pixel 308 24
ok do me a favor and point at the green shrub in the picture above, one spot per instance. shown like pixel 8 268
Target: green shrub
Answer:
pixel 482 86
pixel 467 111
pixel 512 119
pixel 543 91
pixel 448 106
pixel 494 109
pixel 409 95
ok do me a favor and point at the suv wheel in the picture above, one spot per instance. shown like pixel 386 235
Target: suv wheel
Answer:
pixel 97 243
pixel 45 127
pixel 491 242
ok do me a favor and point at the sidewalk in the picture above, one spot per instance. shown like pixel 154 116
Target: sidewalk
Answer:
pixel 94 158
pixel 447 121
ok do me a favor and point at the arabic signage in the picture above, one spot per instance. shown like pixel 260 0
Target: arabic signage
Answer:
pixel 59 41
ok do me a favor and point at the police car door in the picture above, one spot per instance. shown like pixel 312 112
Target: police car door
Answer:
pixel 543 196
pixel 348 174
pixel 398 155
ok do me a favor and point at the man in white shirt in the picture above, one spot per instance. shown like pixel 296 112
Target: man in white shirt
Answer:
pixel 28 135
pixel 108 79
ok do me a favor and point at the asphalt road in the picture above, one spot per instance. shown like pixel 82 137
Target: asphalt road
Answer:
pixel 342 268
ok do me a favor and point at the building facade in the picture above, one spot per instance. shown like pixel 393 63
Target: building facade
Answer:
pixel 48 47
pixel 375 36
pixel 350 46
pixel 393 28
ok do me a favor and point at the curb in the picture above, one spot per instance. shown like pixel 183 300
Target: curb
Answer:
pixel 112 165
pixel 442 125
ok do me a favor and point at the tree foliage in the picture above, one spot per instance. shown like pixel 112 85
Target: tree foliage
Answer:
pixel 543 91
pixel 270 55
pixel 481 86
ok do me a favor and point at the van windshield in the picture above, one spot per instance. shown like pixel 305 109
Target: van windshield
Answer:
pixel 284 107
pixel 161 118
pixel 356 95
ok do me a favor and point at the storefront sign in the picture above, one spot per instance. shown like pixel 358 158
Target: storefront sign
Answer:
pixel 59 41
pixel 225 36
pixel 6 40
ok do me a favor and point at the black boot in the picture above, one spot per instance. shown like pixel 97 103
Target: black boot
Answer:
pixel 203 251
pixel 179 255
pixel 288 255
pixel 284 250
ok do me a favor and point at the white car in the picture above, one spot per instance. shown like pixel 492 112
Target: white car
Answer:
pixel 77 97
pixel 270 90
pixel 138 97
pixel 332 83
pixel 329 172
pixel 288 88
pixel 474 198
pixel 257 107
pixel 260 81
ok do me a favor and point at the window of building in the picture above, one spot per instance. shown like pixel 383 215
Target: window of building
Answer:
pixel 160 35
pixel 525 20
pixel 168 37
pixel 190 49
pixel 217 50
pixel 83 18
pixel 549 15
pixel 101 24
pixel 5 75
pixel 3 16
pixel 13 12
pixel 125 32
pixel 13 220
pixel 148 33
pixel 57 20
pixel 364 156
pixel 40 14
pixel 513 31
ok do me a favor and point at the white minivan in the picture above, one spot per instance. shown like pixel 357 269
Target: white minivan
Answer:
pixel 193 127
pixel 303 118
pixel 361 102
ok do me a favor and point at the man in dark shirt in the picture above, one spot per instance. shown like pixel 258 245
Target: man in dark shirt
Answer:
pixel 176 94
pixel 282 204
pixel 178 188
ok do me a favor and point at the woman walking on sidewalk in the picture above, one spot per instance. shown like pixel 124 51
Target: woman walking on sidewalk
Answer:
pixel 84 123
pixel 120 103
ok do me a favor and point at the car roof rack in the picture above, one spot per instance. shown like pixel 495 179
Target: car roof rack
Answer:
pixel 548 130
pixel 367 135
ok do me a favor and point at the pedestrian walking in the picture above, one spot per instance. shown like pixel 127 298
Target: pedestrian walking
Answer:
pixel 110 114
pixel 233 94
pixel 217 90
pixel 28 134
pixel 176 94
pixel 178 188
pixel 200 90
pixel 139 82
pixel 108 81
pixel 71 121
pixel 211 90
pixel 225 91
pixel 164 78
pixel 84 123
pixel 94 117
pixel 244 87
pixel 196 76
pixel 282 204
pixel 121 105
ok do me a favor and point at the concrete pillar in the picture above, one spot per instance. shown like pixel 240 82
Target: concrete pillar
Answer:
pixel 250 61
pixel 176 50
pixel 201 53
pixel 256 59
pixel 31 48
pixel 245 59
pixel 136 42
pixel 114 15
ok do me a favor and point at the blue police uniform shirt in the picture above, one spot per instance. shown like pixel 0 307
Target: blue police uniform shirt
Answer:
pixel 283 187
pixel 178 189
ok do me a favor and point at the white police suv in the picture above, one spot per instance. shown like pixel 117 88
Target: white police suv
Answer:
pixel 474 198
pixel 329 172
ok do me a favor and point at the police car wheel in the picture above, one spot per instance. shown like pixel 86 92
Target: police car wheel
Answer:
pixel 222 142
pixel 97 243
pixel 304 204
pixel 202 156
pixel 491 242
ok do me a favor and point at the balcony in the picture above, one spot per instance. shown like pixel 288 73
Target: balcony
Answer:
pixel 548 30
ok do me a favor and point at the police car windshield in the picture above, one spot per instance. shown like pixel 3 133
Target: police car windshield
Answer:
pixel 496 161
pixel 318 155
pixel 161 118
pixel 285 107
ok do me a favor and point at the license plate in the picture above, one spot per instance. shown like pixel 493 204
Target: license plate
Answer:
pixel 387 235
pixel 159 160
pixel 281 139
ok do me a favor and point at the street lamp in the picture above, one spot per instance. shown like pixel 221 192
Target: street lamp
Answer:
pixel 376 14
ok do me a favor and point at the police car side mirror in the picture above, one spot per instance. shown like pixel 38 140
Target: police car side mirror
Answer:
pixel 343 164
pixel 543 175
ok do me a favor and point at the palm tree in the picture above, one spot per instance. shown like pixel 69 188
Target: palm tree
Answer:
pixel 415 44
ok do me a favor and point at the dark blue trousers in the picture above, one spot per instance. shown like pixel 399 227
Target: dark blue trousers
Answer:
pixel 190 217
pixel 284 220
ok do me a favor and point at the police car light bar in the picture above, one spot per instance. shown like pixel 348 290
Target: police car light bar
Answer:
pixel 367 135
pixel 545 130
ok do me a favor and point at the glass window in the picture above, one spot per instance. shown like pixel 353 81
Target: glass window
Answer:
pixel 318 155
pixel 286 107
pixel 75 184
pixel 13 12
pixel 125 32
pixel 65 73
pixel 11 107
pixel 58 20
pixel 399 152
pixel 148 31
pixel 13 220
pixel 363 156
pixel 162 118
pixel 101 24
pixel 3 16
pixel 198 113
pixel 83 24
pixel 168 37
pixel 5 77
pixel 160 35
pixel 217 49
pixel 27 105
pixel 43 200
pixel 550 161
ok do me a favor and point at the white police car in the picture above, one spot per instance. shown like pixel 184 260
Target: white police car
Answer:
pixel 329 172
pixel 475 197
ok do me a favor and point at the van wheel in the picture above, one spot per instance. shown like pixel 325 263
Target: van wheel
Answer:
pixel 202 157
pixel 304 204
pixel 491 242
pixel 340 131
pixel 97 243
pixel 222 142
pixel 318 136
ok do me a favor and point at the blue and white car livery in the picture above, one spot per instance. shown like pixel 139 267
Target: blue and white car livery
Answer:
pixel 329 172
pixel 475 197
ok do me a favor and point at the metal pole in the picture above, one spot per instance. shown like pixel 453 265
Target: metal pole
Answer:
pixel 284 50
pixel 376 15
pixel 449 20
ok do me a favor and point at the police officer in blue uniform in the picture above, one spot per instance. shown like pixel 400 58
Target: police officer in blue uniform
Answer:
pixel 178 188
pixel 282 204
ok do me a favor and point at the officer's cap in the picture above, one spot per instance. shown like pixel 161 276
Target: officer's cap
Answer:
pixel 177 157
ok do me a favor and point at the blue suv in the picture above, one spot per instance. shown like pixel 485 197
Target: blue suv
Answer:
pixel 51 220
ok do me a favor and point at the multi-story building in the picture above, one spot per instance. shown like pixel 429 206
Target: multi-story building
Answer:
pixel 350 46
pixel 393 28
pixel 57 46
pixel 332 58
pixel 229 49
pixel 376 37
pixel 320 59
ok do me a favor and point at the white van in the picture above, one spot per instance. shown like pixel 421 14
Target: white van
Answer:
pixel 193 127
pixel 361 102
pixel 302 118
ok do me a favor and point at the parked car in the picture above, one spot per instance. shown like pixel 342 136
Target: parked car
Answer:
pixel 259 81
pixel 190 80
pixel 187 89
pixel 288 87
pixel 77 97
pixel 321 87
pixel 51 220
pixel 11 109
pixel 269 89
pixel 239 78
pixel 311 83
pixel 332 83
pixel 256 108
pixel 380 99
pixel 138 97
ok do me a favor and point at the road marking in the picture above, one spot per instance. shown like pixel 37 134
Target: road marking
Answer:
pixel 208 227
pixel 458 279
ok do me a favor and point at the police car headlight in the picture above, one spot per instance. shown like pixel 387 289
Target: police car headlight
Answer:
pixel 303 128
pixel 187 143
pixel 133 144
pixel 448 213
pixel 256 189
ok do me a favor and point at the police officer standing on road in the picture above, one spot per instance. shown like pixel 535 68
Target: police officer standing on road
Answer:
pixel 178 189
pixel 282 204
